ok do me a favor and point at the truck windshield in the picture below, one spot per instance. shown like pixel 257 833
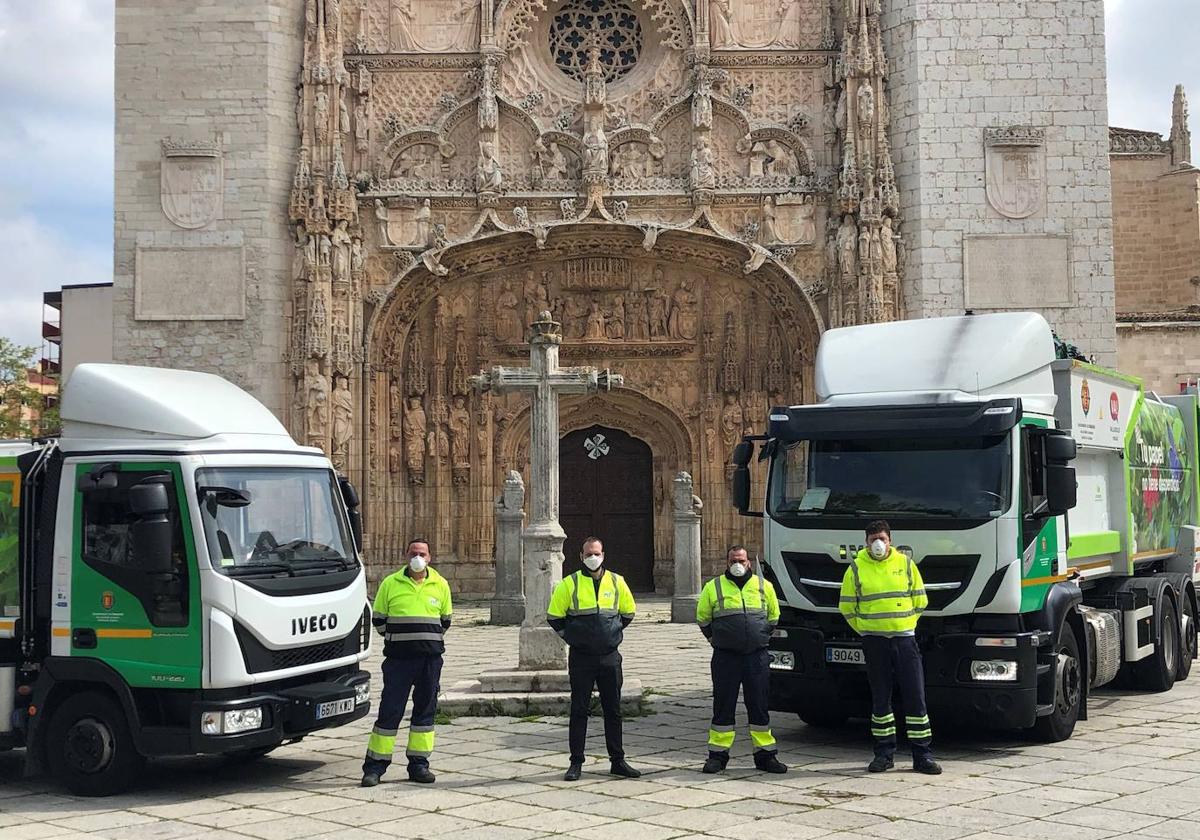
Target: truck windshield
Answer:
pixel 955 478
pixel 286 521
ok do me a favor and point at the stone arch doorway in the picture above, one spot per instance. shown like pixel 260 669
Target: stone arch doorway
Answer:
pixel 706 343
pixel 606 490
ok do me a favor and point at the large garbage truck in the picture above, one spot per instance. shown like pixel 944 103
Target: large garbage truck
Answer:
pixel 1051 505
pixel 177 576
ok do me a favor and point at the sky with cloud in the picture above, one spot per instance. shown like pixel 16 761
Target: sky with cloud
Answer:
pixel 56 131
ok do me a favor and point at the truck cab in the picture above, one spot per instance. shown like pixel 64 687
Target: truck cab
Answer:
pixel 188 581
pixel 959 433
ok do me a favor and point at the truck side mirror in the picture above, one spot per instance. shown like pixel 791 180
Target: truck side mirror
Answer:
pixel 742 453
pixel 352 502
pixel 1061 489
pixel 1060 448
pixel 151 534
pixel 741 489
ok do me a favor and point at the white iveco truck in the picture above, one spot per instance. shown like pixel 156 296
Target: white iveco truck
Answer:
pixel 1051 505
pixel 177 576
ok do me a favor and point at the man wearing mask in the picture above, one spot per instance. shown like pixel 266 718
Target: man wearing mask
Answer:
pixel 412 612
pixel 737 613
pixel 882 598
pixel 590 611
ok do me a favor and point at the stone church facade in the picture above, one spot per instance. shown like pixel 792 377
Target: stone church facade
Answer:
pixel 355 213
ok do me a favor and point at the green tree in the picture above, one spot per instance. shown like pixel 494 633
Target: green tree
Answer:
pixel 16 394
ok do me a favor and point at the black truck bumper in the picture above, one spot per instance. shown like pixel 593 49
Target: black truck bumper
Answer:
pixel 286 713
pixel 817 685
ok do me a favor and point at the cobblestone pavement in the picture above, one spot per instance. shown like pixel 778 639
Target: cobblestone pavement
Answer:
pixel 1130 771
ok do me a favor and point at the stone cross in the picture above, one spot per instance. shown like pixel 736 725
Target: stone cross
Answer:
pixel 687 551
pixel 542 539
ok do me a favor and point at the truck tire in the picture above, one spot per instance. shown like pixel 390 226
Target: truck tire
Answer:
pixel 89 747
pixel 822 717
pixel 1068 690
pixel 1188 647
pixel 1157 671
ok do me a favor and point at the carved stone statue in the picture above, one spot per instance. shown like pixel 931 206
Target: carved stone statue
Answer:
pixel 769 231
pixel 866 103
pixel 732 422
pixel 488 115
pixel 318 400
pixel 414 439
pixel 340 241
pixel 381 218
pixel 638 319
pixel 343 415
pixel 702 175
pixel 888 247
pixel 423 225
pixel 595 152
pixel 847 245
pixel 783 160
pixel 508 318
pixel 864 249
pixel 684 315
pixel 358 256
pixel 615 325
pixel 574 318
pixel 758 160
pixel 595 323
pixel 557 170
pixel 702 101
pixel 488 175
pixel 460 434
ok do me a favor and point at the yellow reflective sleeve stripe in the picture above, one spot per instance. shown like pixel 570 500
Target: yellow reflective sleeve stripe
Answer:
pixel 772 604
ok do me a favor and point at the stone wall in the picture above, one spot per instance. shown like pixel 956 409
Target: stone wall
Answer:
pixel 217 82
pixel 1156 211
pixel 1035 71
pixel 1163 354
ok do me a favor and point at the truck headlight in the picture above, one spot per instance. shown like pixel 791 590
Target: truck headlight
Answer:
pixel 231 722
pixel 994 670
pixel 362 692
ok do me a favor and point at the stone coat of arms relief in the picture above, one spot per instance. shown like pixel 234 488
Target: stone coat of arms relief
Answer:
pixel 694 189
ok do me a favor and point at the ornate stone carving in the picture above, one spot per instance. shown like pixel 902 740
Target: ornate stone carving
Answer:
pixel 415 426
pixel 1014 163
pixel 192 182
pixel 431 26
pixel 1181 133
pixel 764 24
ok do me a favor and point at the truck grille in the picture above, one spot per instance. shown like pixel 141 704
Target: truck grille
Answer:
pixel 260 659
pixel 819 577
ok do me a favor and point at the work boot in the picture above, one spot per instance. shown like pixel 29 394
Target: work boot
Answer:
pixel 769 762
pixel 369 780
pixel 421 774
pixel 621 768
pixel 927 766
pixel 714 764
pixel 573 772
pixel 880 764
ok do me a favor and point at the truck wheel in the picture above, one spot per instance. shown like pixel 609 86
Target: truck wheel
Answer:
pixel 1068 690
pixel 822 718
pixel 1188 648
pixel 1157 671
pixel 89 747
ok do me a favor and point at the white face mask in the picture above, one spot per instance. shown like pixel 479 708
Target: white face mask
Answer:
pixel 738 569
pixel 417 563
pixel 593 561
pixel 879 549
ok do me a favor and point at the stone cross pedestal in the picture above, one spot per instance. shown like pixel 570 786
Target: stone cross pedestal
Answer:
pixel 508 607
pixel 542 539
pixel 687 551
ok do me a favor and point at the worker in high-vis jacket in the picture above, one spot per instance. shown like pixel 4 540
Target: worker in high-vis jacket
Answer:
pixel 882 598
pixel 412 612
pixel 590 610
pixel 737 612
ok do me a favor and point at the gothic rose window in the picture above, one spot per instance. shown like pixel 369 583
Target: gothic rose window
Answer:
pixel 612 26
